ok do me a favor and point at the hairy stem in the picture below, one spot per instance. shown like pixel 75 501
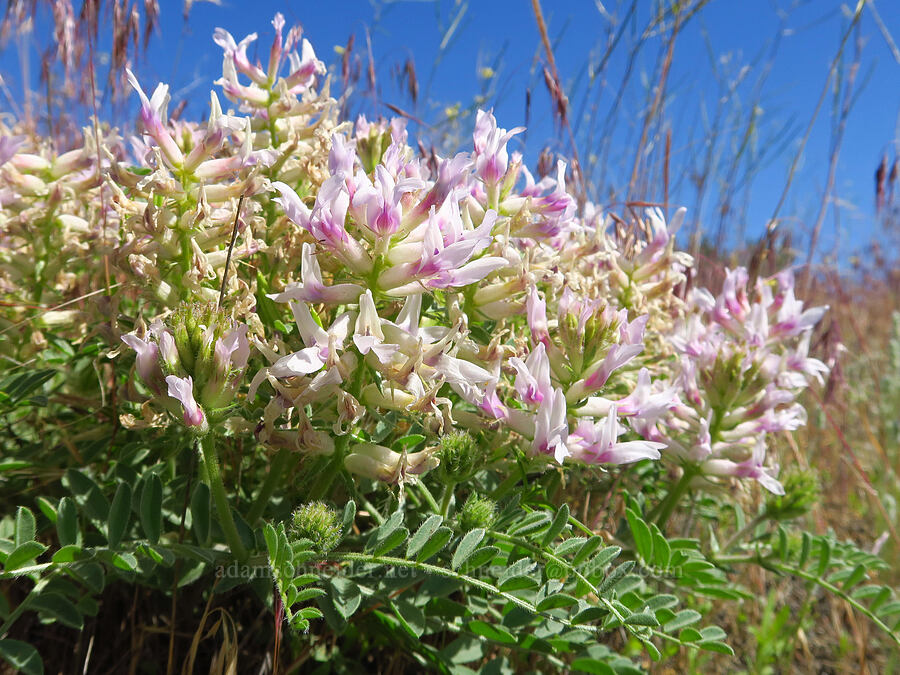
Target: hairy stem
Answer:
pixel 663 511
pixel 446 499
pixel 210 460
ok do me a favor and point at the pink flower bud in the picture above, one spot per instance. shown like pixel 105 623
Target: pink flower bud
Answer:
pixel 182 389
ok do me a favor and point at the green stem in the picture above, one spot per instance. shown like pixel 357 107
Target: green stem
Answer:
pixel 320 489
pixel 277 470
pixel 370 507
pixel 664 509
pixel 740 534
pixel 442 572
pixel 812 578
pixel 424 491
pixel 210 460
pixel 446 499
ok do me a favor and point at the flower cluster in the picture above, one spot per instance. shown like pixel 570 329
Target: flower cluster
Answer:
pixel 743 359
pixel 372 291
pixel 193 364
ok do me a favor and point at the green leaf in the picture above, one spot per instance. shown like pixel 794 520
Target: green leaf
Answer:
pixel 151 507
pixel 385 530
pixel 560 520
pixel 594 666
pixel 466 547
pixel 824 556
pixel 642 619
pixel 556 601
pixel 531 523
pixel 15 388
pixel 159 554
pixel 515 577
pixel 480 557
pixel 88 494
pixel 423 534
pixel 90 573
pixel 271 537
pixel 435 544
pixel 643 539
pixel 25 526
pixel 716 646
pixel 615 576
pixel 589 614
pixel 200 512
pixel 124 561
pixel 805 548
pixel 684 618
pixel 22 656
pixel 59 608
pixel 599 562
pixel 309 613
pixel 589 547
pixel 494 632
pixel 713 633
pixel 662 553
pixel 690 635
pixel 858 574
pixel 119 515
pixel 309 593
pixel 345 595
pixel 569 546
pixel 348 517
pixel 393 540
pixel 47 508
pixel 24 554
pixel 658 602
pixel 409 441
pixel 66 554
pixel 67 522
pixel 410 617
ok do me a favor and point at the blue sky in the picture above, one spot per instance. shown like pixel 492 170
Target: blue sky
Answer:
pixel 723 38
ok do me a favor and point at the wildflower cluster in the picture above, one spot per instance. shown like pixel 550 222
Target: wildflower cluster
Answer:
pixel 357 319
pixel 742 360
pixel 454 292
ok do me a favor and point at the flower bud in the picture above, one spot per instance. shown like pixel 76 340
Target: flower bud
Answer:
pixel 460 456
pixel 319 523
pixel 477 512
pixel 381 463
pixel 801 491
